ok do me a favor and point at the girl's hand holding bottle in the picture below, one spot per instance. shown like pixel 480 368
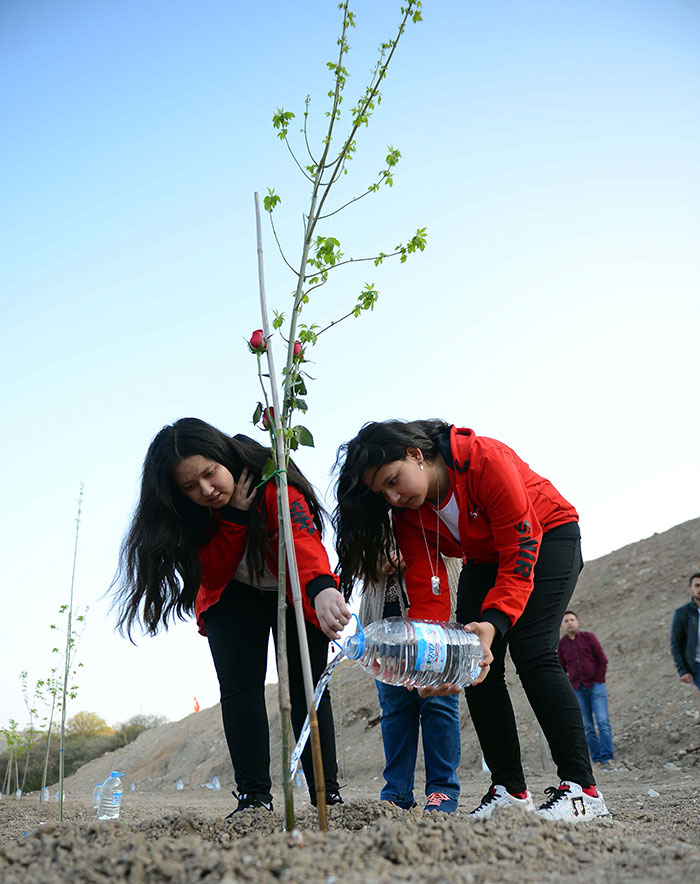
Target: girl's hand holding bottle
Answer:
pixel 332 612
pixel 486 632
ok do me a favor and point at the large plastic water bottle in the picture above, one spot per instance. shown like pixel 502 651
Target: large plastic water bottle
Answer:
pixel 110 797
pixel 417 653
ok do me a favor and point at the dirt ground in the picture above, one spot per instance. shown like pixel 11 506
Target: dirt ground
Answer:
pixel 184 838
pixel 164 835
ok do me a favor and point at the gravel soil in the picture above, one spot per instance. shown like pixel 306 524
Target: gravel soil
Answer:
pixel 177 837
pixel 185 838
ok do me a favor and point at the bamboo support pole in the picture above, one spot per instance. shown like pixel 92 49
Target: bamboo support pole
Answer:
pixel 289 544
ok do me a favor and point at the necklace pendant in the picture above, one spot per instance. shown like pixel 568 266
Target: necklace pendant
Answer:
pixel 435 584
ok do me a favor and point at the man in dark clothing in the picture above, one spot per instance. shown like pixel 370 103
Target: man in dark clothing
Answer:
pixel 685 636
pixel 584 661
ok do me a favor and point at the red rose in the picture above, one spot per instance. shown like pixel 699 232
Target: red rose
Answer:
pixel 268 418
pixel 298 351
pixel 257 342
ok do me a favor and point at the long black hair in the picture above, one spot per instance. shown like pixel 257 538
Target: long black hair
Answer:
pixel 362 520
pixel 159 573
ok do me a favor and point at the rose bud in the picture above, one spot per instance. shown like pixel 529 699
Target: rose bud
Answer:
pixel 257 342
pixel 268 418
pixel 298 352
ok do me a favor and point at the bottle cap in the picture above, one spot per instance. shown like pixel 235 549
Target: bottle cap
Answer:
pixel 354 646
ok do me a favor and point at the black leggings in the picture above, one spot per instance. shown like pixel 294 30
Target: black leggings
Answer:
pixel 533 647
pixel 238 629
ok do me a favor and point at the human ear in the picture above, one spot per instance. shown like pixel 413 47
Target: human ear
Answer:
pixel 417 455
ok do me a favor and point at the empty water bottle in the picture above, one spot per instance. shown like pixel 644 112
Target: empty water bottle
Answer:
pixel 215 783
pixel 416 653
pixel 96 795
pixel 179 785
pixel 110 797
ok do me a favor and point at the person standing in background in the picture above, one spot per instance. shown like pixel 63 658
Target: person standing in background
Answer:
pixel 685 636
pixel 584 661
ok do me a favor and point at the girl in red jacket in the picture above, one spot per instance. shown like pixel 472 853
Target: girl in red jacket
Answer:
pixel 444 490
pixel 203 540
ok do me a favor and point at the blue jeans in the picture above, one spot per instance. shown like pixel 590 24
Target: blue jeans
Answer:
pixel 594 704
pixel 403 713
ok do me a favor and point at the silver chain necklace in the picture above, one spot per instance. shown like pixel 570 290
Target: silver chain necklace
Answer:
pixel 435 579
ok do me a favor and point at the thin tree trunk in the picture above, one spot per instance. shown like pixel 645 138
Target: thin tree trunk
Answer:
pixel 290 554
pixel 26 760
pixel 7 781
pixel 66 670
pixel 283 695
pixel 45 772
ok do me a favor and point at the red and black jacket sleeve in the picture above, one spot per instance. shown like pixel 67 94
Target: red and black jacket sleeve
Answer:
pixel 315 573
pixel 516 533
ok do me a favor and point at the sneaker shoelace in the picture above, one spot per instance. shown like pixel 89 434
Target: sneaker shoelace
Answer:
pixel 247 801
pixel 435 799
pixel 556 793
pixel 487 799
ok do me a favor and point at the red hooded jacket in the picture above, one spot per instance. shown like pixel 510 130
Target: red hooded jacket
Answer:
pixel 221 555
pixel 504 508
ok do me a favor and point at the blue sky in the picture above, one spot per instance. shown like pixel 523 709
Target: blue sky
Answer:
pixel 550 148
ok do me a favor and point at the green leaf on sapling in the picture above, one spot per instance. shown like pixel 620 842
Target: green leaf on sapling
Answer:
pixel 303 436
pixel 268 470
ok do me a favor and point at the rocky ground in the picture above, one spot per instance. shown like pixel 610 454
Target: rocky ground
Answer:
pixel 164 835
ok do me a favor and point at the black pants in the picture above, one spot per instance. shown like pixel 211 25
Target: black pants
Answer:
pixel 533 647
pixel 238 628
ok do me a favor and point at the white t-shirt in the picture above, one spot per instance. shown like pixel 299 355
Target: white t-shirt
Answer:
pixel 449 514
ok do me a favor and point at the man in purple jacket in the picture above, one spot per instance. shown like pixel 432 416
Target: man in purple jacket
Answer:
pixel 582 657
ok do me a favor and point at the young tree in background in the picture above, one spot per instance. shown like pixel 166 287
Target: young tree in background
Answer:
pixel 320 256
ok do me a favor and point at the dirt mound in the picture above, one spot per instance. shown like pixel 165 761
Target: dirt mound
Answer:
pixel 627 598
pixel 367 842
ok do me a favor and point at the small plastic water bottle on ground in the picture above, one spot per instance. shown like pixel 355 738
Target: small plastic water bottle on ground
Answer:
pixel 110 797
pixel 215 783
pixel 179 785
pixel 417 653
pixel 96 795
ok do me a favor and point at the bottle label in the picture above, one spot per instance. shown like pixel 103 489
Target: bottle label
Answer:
pixel 117 798
pixel 431 650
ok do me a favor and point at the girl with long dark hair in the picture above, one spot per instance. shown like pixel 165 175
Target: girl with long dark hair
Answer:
pixel 439 489
pixel 204 541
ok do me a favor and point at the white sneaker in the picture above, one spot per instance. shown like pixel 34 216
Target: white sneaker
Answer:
pixel 569 802
pixel 498 796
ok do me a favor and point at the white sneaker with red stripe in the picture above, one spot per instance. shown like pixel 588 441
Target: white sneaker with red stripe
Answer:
pixel 499 796
pixel 569 802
